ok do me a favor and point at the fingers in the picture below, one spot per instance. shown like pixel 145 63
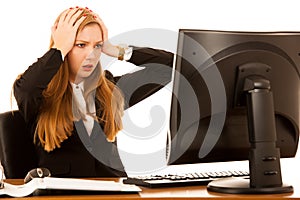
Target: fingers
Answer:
pixel 71 13
pixel 69 16
pixel 62 17
pixel 78 22
pixel 54 27
pixel 72 17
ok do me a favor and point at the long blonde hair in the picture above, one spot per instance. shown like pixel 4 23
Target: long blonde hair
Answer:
pixel 58 111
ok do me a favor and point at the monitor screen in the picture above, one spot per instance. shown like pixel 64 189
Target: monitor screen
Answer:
pixel 209 119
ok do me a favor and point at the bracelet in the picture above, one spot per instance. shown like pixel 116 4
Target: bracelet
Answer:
pixel 125 52
pixel 121 53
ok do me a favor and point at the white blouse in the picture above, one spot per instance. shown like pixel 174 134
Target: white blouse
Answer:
pixel 78 90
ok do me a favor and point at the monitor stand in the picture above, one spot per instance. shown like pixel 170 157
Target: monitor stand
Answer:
pixel 264 156
pixel 242 186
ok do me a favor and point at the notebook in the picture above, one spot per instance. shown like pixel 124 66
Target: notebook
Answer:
pixel 66 184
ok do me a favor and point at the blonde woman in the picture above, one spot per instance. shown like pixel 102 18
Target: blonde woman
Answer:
pixel 72 107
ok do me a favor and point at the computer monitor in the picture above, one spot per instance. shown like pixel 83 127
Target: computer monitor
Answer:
pixel 236 96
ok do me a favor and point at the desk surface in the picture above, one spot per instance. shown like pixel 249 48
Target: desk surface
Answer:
pixel 195 192
pixel 289 168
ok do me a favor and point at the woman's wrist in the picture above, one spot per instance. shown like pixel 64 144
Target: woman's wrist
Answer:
pixel 121 51
pixel 124 52
pixel 63 54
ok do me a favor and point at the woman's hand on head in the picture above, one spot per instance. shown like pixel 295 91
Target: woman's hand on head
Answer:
pixel 65 29
pixel 107 47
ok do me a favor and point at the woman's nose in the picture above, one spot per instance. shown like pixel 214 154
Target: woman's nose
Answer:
pixel 94 54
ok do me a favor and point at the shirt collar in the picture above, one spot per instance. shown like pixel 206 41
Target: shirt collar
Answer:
pixel 78 86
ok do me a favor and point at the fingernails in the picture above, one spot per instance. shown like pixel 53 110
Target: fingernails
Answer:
pixel 94 16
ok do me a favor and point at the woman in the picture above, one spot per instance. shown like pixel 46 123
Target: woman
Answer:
pixel 72 107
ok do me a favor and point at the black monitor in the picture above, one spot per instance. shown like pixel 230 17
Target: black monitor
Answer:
pixel 236 96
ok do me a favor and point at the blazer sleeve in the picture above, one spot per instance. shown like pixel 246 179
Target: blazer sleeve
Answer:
pixel 29 86
pixel 156 74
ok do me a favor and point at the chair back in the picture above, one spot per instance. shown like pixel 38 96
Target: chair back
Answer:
pixel 17 152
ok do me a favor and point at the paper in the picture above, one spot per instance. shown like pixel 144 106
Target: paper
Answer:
pixel 65 184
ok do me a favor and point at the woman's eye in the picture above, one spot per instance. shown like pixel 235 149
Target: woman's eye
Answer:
pixel 80 45
pixel 98 46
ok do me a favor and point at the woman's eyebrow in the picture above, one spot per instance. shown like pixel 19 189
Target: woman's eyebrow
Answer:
pixel 88 41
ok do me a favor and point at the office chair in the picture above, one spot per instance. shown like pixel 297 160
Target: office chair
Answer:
pixel 17 151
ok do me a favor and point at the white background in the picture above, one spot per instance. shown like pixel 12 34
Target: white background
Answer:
pixel 25 32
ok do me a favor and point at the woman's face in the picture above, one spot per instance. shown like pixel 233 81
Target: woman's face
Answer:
pixel 85 54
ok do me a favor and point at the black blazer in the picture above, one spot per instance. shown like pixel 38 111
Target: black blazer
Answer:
pixel 82 155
